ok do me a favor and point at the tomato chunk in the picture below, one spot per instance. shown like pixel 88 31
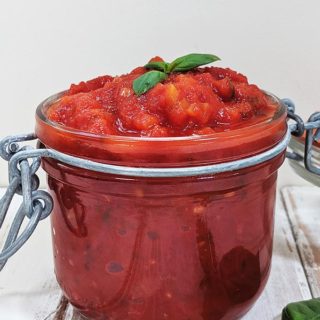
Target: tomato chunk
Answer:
pixel 200 101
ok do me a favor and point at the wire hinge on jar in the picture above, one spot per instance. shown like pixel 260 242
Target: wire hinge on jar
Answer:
pixel 36 204
pixel 24 161
pixel 312 131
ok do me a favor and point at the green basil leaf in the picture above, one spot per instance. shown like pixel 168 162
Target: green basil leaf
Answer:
pixel 157 65
pixel 147 81
pixel 161 69
pixel 191 61
pixel 303 310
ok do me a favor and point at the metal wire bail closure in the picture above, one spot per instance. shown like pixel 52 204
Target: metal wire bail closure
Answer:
pixel 312 130
pixel 37 204
pixel 311 136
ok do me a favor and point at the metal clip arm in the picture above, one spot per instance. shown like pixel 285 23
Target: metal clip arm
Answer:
pixel 311 137
pixel 36 204
pixel 311 129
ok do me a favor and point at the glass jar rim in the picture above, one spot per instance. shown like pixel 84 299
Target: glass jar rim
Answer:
pixel 42 107
pixel 191 150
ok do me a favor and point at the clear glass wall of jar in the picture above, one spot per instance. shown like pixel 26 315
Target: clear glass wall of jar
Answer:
pixel 186 248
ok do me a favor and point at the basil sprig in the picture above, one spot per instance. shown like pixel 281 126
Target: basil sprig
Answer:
pixel 160 70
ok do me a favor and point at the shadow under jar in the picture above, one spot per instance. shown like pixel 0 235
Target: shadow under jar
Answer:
pixel 189 248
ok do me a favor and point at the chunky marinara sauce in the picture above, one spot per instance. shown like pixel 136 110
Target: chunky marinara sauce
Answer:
pixel 202 101
pixel 189 248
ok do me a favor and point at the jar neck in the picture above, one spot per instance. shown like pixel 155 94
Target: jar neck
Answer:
pixel 157 152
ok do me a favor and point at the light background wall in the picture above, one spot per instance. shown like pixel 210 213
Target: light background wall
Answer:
pixel 46 45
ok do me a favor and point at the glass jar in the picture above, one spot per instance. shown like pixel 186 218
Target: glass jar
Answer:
pixel 298 145
pixel 187 248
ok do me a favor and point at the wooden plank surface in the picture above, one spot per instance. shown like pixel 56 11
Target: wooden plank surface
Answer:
pixel 303 209
pixel 28 290
pixel 287 280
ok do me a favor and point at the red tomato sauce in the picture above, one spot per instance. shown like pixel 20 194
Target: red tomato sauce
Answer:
pixel 201 101
pixel 156 249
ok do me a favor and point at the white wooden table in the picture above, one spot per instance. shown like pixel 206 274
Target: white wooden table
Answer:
pixel 28 290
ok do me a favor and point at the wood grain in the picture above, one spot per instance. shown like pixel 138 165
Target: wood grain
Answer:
pixel 303 210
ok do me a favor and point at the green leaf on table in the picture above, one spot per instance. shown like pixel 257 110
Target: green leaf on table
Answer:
pixel 191 61
pixel 147 81
pixel 303 310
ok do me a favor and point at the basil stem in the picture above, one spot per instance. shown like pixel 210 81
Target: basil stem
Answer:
pixel 157 65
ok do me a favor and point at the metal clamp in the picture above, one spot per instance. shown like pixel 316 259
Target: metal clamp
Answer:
pixel 312 130
pixel 36 205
